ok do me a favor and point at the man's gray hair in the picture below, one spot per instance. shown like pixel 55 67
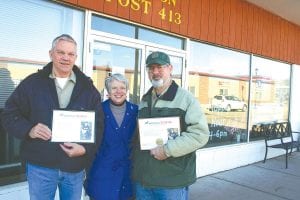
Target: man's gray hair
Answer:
pixel 118 77
pixel 64 37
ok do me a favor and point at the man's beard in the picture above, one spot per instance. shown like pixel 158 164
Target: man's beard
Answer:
pixel 157 83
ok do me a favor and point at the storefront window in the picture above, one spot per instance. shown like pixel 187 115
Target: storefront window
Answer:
pixel 112 26
pixel 27 30
pixel 103 24
pixel 159 38
pixel 219 79
pixel 270 92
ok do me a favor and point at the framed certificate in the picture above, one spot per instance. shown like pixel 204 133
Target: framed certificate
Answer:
pixel 157 131
pixel 73 126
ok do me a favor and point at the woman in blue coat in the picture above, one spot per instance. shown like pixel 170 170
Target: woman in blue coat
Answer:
pixel 110 178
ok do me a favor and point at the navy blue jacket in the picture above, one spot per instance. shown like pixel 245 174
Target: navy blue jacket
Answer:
pixel 33 101
pixel 109 178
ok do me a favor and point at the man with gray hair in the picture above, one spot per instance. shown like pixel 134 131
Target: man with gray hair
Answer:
pixel 28 116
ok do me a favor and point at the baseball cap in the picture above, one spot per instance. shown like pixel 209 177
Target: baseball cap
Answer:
pixel 157 57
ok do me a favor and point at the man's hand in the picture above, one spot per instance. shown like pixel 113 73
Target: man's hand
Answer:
pixel 159 153
pixel 40 131
pixel 73 149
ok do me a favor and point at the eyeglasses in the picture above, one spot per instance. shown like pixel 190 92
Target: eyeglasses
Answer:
pixel 160 68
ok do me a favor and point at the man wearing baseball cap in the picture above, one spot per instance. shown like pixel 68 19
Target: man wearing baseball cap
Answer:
pixel 166 171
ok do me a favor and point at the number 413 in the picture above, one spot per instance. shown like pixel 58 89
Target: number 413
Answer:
pixel 173 17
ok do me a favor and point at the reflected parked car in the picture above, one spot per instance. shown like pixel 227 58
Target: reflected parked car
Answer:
pixel 227 103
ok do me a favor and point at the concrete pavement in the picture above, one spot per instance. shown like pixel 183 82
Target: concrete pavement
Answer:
pixel 258 181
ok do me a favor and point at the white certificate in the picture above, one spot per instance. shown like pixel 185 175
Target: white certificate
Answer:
pixel 157 131
pixel 73 126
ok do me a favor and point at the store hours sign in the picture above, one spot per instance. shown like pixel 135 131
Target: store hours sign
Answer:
pixel 165 13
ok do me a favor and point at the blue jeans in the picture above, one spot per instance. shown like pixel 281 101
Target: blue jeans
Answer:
pixel 43 183
pixel 143 193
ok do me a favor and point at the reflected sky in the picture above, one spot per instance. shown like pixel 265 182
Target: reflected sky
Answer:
pixel 219 61
pixel 215 60
pixel 31 25
pixel 270 69
pixel 110 55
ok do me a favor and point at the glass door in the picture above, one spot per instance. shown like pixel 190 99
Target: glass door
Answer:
pixel 109 56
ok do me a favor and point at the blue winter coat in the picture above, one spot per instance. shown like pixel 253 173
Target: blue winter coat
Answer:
pixel 110 177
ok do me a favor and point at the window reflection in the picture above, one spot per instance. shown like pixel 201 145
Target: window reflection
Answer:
pixel 217 61
pixel 159 38
pixel 219 79
pixel 25 40
pixel 270 92
pixel 110 58
pixel 11 74
pixel 294 101
pixel 177 63
pixel 30 26
pixel 113 26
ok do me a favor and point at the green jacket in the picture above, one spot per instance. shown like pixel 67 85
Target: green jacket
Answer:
pixel 178 170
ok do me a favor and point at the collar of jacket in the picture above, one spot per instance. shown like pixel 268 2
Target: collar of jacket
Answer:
pixel 169 95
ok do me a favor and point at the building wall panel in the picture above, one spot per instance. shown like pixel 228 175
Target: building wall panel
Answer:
pixel 231 23
pixel 238 26
pixel 194 18
pixel 255 31
pixel 90 4
pixel 135 15
pixel 156 21
pixel 259 32
pixel 250 27
pixel 204 19
pixel 183 27
pixel 146 18
pixel 276 37
pixel 285 42
pixel 297 46
pixel 264 31
pixel 267 34
pixel 109 7
pixel 296 49
pixel 212 21
pixel 282 39
pixel 169 12
pixel 219 21
pixel 289 43
pixel 244 27
pixel 226 23
pixel 122 9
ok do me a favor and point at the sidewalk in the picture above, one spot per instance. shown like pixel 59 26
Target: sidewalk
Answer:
pixel 258 181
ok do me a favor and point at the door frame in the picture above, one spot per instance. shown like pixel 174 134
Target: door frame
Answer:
pixel 144 46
